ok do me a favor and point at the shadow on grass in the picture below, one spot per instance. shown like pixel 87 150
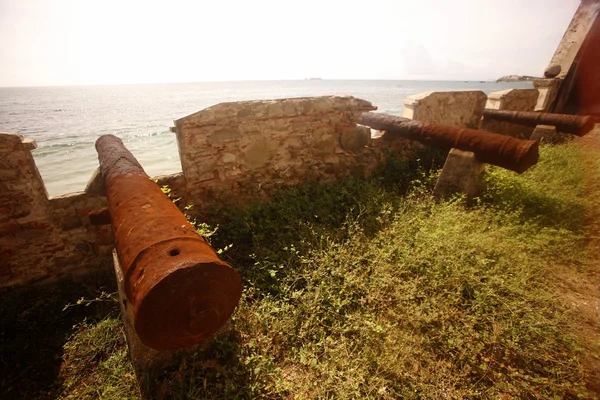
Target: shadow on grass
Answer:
pixel 213 372
pixel 34 326
pixel 267 240
pixel 536 198
pixel 266 236
pixel 271 241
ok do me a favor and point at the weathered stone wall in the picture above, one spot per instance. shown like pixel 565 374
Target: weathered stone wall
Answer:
pixel 41 237
pixel 229 153
pixel 38 236
pixel 463 109
pixel 513 100
pixel 236 151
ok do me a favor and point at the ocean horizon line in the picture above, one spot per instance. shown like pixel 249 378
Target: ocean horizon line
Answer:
pixel 312 80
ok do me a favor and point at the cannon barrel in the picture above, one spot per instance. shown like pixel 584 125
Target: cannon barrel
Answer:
pixel 575 124
pixel 180 291
pixel 504 151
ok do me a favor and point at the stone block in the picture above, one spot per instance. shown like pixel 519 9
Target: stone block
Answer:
pixel 242 111
pixel 9 173
pixel 224 135
pixel 462 109
pixel 260 152
pixel 29 234
pixel 9 228
pixel 11 141
pixel 513 100
pixel 95 185
pixel 70 222
pixel 228 158
pixel 84 247
pixel 104 235
pixel 99 217
pixel 65 203
pixel 461 174
pixel 548 134
pixel 547 91
pixel 15 205
pixel 275 110
pixel 552 71
pixel 356 138
pixel 324 145
pixel 29 144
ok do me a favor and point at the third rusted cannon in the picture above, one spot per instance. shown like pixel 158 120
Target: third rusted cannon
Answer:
pixel 575 124
pixel 180 291
pixel 492 148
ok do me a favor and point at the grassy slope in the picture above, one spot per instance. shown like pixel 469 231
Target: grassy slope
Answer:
pixel 359 290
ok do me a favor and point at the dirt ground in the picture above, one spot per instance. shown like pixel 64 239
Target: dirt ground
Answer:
pixel 582 290
pixel 34 326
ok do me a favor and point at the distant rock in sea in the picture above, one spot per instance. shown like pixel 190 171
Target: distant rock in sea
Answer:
pixel 517 78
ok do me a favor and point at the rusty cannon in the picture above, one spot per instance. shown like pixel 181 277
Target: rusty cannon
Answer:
pixel 180 291
pixel 504 151
pixel 578 125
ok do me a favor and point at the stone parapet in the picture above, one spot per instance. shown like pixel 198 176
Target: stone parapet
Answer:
pixel 230 153
pixel 462 109
pixel 244 150
pixel 44 238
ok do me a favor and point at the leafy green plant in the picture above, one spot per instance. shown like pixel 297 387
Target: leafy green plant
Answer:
pixel 372 289
pixel 104 296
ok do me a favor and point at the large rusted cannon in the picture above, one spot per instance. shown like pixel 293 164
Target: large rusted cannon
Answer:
pixel 575 124
pixel 504 151
pixel 180 291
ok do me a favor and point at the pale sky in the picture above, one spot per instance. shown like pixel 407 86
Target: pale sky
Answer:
pixel 74 42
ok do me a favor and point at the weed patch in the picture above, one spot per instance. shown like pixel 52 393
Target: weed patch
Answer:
pixel 371 289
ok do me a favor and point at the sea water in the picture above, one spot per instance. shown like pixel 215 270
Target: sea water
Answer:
pixel 66 121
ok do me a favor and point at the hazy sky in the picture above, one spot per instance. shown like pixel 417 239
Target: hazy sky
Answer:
pixel 69 42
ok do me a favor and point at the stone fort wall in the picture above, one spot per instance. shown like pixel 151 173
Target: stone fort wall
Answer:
pixel 231 153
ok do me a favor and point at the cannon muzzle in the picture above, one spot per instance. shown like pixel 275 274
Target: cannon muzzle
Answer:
pixel 180 291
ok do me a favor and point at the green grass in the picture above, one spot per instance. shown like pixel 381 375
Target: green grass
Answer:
pixel 371 289
pixel 96 362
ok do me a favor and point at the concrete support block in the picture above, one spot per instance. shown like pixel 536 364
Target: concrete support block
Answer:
pixel 462 171
pixel 548 134
pixel 149 364
pixel 461 174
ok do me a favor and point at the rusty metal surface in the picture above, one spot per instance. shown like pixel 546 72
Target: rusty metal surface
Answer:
pixel 575 124
pixel 180 291
pixel 504 151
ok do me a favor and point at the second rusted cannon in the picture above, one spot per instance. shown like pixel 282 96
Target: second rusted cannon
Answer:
pixel 575 124
pixel 492 148
pixel 180 291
